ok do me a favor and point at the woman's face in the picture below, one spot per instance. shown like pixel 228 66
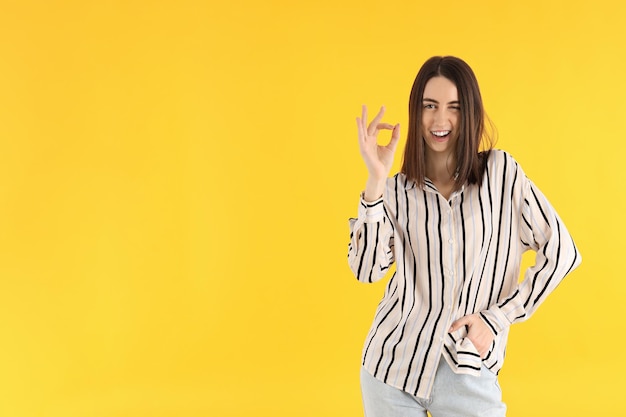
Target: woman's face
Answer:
pixel 440 116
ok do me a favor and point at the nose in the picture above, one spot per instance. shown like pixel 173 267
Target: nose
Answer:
pixel 440 116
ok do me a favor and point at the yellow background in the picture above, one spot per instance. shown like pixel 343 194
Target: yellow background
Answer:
pixel 176 178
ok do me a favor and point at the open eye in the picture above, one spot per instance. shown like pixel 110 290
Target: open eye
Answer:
pixel 429 106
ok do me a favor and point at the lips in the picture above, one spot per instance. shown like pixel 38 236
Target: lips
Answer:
pixel 440 135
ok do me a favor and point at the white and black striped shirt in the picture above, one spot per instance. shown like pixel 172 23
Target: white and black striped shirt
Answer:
pixel 453 258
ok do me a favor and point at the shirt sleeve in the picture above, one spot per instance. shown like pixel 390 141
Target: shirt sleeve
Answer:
pixel 541 230
pixel 370 252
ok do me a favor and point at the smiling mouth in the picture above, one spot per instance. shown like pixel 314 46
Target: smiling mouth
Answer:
pixel 441 133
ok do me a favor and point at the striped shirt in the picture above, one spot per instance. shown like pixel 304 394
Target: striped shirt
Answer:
pixel 454 258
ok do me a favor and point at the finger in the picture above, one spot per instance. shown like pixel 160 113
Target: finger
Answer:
pixel 364 117
pixel 359 128
pixel 463 321
pixel 395 137
pixel 371 129
pixel 385 126
pixel 396 131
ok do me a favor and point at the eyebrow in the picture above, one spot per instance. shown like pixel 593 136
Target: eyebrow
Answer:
pixel 436 102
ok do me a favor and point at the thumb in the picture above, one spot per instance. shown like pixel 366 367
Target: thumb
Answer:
pixel 463 321
pixel 395 137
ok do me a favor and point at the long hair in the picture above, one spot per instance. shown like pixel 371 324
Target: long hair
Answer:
pixel 471 160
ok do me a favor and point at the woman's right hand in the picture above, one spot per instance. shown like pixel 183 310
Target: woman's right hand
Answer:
pixel 378 159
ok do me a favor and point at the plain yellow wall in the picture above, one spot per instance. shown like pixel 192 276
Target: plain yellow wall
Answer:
pixel 176 178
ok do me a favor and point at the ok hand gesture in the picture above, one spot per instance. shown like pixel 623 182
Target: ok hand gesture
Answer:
pixel 378 159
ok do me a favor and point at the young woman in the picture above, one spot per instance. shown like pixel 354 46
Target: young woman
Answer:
pixel 455 221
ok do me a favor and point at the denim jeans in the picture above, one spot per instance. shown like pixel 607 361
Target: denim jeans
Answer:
pixel 453 395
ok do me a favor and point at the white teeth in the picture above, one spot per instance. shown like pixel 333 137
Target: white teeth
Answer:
pixel 441 133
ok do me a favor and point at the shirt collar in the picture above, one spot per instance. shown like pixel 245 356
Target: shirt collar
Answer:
pixel 429 186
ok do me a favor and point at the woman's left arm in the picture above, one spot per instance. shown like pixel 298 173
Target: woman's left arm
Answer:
pixel 556 256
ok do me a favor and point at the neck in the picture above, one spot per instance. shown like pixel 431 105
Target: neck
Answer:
pixel 440 168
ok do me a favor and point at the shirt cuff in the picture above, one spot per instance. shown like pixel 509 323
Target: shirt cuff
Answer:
pixel 495 319
pixel 371 211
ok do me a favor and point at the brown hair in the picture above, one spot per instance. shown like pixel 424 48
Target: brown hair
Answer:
pixel 471 161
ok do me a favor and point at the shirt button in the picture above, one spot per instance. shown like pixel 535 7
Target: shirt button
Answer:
pixel 450 241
